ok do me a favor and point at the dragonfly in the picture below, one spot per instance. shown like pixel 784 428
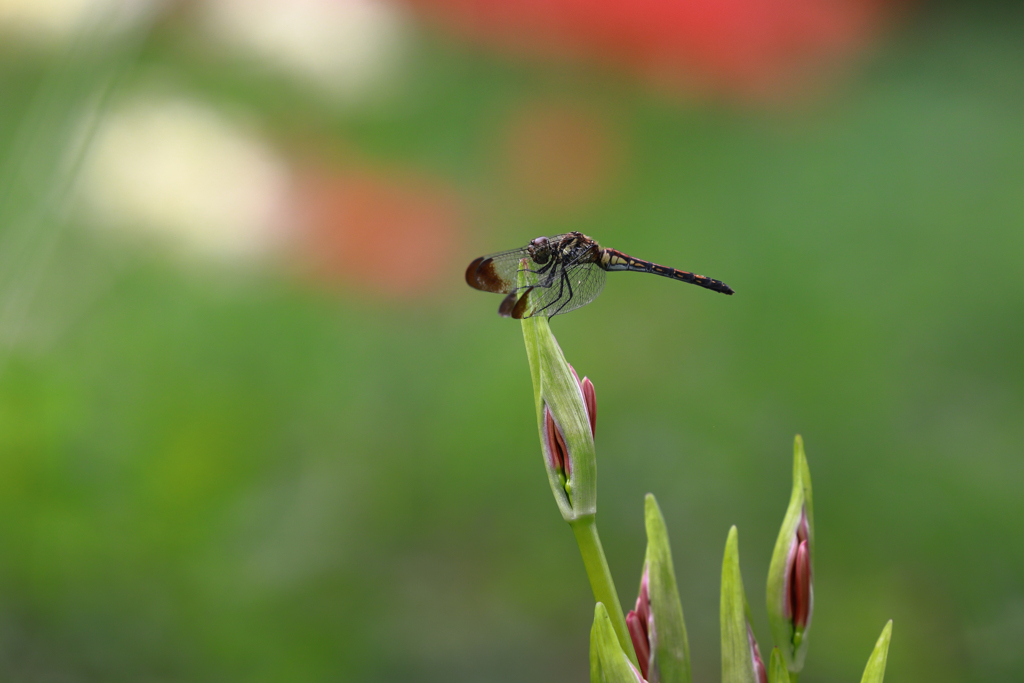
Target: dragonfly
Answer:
pixel 569 273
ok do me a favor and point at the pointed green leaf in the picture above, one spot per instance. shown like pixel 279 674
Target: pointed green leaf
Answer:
pixel 610 664
pixel 737 659
pixel 555 386
pixel 595 659
pixel 777 672
pixel 669 644
pixel 874 672
pixel 791 640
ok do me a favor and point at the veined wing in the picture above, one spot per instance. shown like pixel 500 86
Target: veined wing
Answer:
pixel 571 288
pixel 496 272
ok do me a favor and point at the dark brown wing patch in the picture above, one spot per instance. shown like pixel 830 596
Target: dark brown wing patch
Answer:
pixel 471 272
pixel 482 275
pixel 524 301
pixel 507 304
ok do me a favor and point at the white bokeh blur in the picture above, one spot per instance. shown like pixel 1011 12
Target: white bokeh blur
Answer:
pixel 188 177
pixel 48 22
pixel 172 170
pixel 346 49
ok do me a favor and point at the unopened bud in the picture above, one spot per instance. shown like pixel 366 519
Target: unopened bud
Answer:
pixel 589 399
pixel 565 418
pixel 656 626
pixel 638 621
pixel 800 588
pixel 791 574
pixel 554 446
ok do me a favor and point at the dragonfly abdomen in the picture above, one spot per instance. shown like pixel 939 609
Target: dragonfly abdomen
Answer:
pixel 612 259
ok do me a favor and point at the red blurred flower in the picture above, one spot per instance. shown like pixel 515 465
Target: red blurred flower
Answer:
pixel 391 235
pixel 751 47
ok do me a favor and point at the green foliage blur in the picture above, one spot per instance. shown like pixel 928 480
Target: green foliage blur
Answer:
pixel 248 474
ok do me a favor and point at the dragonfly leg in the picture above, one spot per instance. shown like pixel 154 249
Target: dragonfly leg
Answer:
pixel 565 277
pixel 537 272
pixel 561 289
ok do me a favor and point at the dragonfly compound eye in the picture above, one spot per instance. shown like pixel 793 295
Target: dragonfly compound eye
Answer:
pixel 539 250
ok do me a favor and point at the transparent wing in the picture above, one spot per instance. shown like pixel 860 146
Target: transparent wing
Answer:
pixel 569 289
pixel 497 272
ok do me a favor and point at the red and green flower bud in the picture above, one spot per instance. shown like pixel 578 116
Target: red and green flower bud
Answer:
pixel 589 399
pixel 639 622
pixel 741 658
pixel 798 599
pixel 554 446
pixel 566 416
pixel 656 625
pixel 791 574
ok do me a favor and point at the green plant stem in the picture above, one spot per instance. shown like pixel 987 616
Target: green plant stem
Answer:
pixel 793 677
pixel 585 529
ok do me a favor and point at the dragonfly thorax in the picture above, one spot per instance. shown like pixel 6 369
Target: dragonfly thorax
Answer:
pixel 575 247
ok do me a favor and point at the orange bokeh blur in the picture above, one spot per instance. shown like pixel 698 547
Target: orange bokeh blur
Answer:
pixel 378 233
pixel 560 156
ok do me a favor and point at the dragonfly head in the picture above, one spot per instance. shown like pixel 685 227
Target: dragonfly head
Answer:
pixel 539 250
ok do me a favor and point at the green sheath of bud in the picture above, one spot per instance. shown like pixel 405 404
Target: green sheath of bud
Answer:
pixel 671 649
pixel 777 672
pixel 874 672
pixel 791 641
pixel 608 663
pixel 737 659
pixel 555 386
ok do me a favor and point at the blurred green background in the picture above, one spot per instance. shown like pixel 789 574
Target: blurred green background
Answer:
pixel 254 426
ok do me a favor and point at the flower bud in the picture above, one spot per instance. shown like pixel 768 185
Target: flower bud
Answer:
pixel 608 663
pixel 799 603
pixel 656 626
pixel 554 446
pixel 589 399
pixel 790 576
pixel 639 623
pixel 741 658
pixel 566 416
